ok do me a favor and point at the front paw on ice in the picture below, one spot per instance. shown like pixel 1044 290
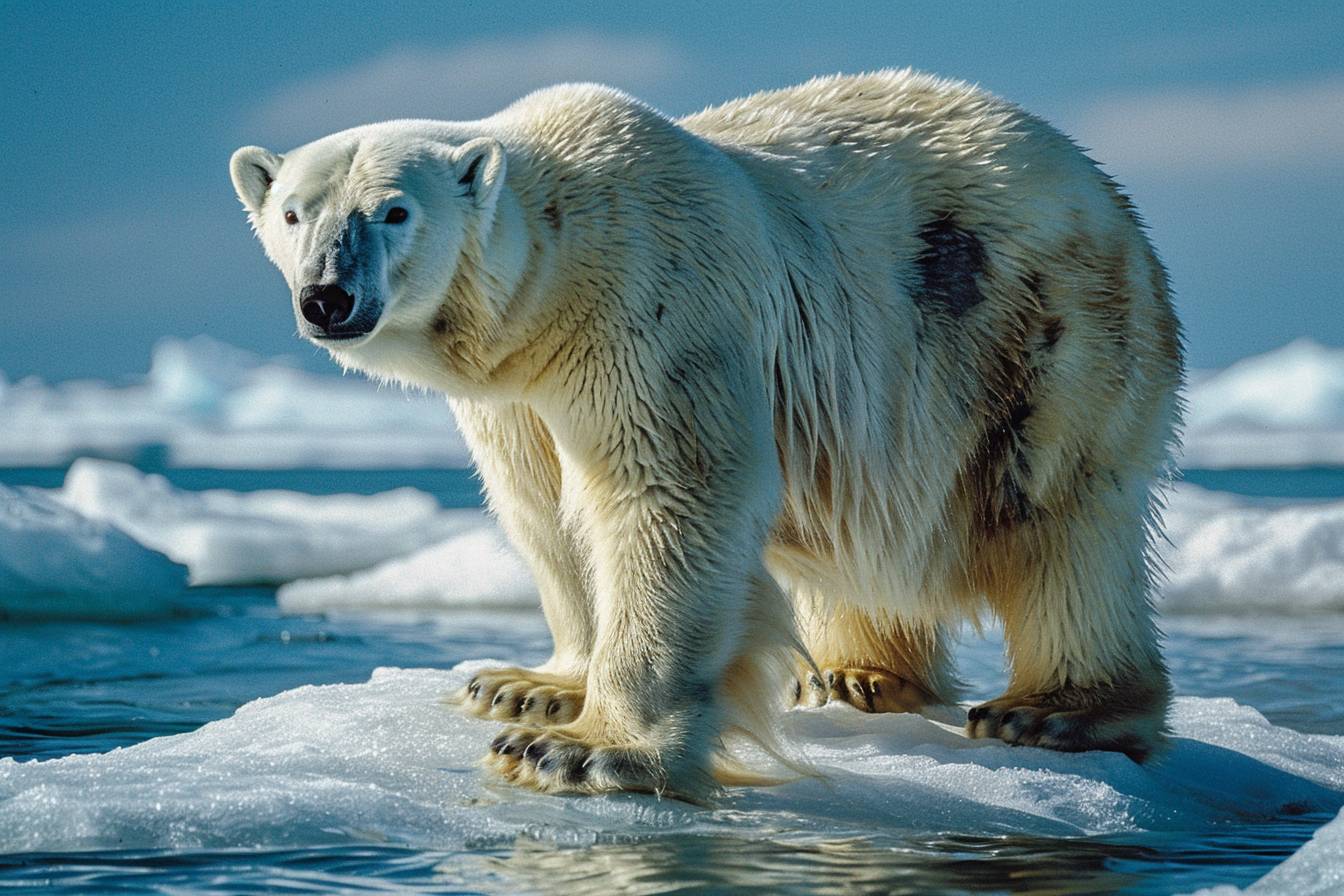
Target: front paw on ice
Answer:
pixel 558 763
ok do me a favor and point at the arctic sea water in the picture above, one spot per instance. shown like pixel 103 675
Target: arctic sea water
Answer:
pixel 90 688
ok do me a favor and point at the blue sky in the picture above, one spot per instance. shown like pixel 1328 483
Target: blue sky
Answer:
pixel 1225 121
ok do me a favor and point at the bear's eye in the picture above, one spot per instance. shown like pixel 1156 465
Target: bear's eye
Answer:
pixel 291 218
pixel 396 215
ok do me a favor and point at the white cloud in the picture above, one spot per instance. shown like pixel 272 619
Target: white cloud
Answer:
pixel 468 81
pixel 1259 126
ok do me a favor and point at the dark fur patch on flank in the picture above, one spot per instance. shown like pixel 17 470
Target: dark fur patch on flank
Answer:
pixel 552 215
pixel 949 268
pixel 1051 329
pixel 997 472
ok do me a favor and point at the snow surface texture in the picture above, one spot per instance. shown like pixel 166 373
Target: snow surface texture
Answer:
pixel 55 563
pixel 1284 408
pixel 386 760
pixel 207 404
pixel 263 537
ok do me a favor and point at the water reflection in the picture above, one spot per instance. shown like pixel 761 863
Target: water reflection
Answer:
pixel 715 864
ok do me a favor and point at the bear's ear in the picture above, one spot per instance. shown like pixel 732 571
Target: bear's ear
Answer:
pixel 480 170
pixel 252 169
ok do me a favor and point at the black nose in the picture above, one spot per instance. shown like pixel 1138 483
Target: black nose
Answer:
pixel 325 306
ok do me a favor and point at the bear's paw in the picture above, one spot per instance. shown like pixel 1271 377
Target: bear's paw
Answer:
pixel 868 690
pixel 1073 720
pixel 522 695
pixel 552 761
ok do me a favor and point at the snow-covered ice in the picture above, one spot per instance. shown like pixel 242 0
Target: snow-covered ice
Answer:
pixel 55 564
pixel 387 761
pixel 262 537
pixel 207 404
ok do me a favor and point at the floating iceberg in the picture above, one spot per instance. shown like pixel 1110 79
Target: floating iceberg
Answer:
pixel 1284 408
pixel 57 564
pixel 474 568
pixel 1224 553
pixel 263 537
pixel 207 404
pixel 386 761
pixel 1229 553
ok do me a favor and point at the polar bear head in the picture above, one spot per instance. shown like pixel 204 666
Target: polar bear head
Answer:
pixel 368 227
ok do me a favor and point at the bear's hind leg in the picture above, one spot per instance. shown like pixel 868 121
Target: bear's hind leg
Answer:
pixel 875 664
pixel 1086 671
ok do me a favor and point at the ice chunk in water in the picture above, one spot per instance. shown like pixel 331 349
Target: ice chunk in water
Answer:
pixel 477 567
pixel 264 537
pixel 57 564
pixel 1237 554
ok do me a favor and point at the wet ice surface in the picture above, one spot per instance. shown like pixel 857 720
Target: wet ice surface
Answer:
pixel 374 782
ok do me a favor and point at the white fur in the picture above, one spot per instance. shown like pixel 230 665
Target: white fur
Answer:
pixel 690 362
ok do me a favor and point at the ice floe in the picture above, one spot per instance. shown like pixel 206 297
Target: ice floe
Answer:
pixel 57 564
pixel 207 404
pixel 262 537
pixel 387 761
pixel 476 567
pixel 1233 554
pixel 1224 553
pixel 1284 408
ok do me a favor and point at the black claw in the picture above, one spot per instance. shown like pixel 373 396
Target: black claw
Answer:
pixel 552 708
pixel 498 697
pixel 830 678
pixel 797 691
pixel 977 713
pixel 474 689
pixel 814 682
pixel 528 703
pixel 535 750
pixel 500 743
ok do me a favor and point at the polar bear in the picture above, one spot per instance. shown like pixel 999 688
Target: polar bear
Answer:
pixel 788 388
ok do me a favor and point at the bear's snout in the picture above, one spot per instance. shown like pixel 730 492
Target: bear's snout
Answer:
pixel 326 306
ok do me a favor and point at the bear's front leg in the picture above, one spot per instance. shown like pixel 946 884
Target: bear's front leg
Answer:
pixel 515 455
pixel 677 496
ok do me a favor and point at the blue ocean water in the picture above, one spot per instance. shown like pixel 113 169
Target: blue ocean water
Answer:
pixel 88 687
